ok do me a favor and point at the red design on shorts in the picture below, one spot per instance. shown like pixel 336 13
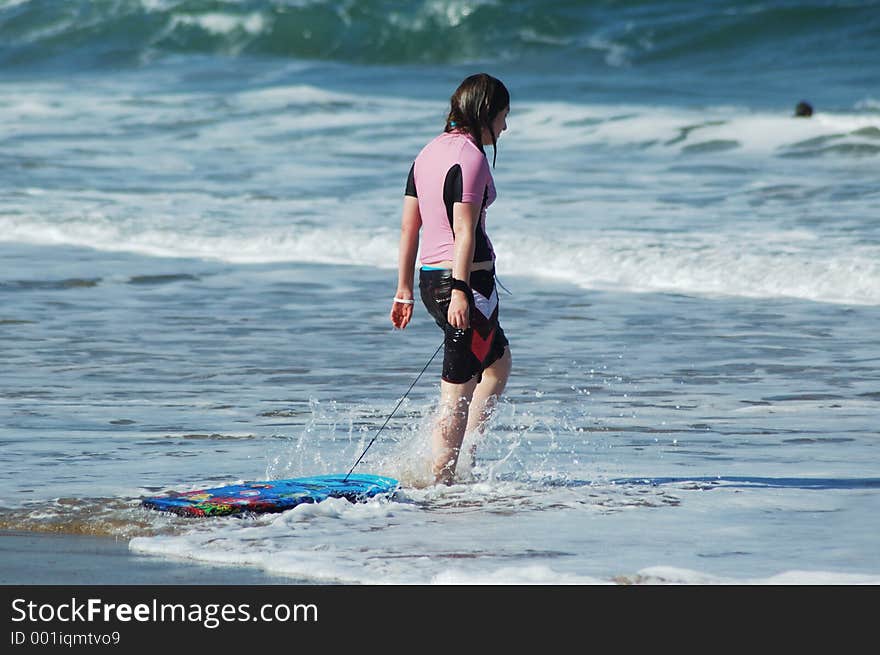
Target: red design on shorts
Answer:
pixel 480 346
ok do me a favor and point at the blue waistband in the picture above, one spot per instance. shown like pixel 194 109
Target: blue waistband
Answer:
pixel 434 268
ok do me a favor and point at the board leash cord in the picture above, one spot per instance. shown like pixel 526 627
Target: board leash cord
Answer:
pixel 393 411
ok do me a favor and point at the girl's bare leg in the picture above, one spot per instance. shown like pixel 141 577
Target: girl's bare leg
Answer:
pixel 485 399
pixel 488 392
pixel 465 409
pixel 455 400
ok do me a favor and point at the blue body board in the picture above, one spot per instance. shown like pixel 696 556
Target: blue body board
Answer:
pixel 271 495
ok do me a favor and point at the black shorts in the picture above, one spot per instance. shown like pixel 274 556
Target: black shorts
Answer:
pixel 466 353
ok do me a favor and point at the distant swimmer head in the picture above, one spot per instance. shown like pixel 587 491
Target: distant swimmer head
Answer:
pixel 804 109
pixel 479 107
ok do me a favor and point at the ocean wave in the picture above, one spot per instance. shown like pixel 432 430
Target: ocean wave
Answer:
pixel 787 264
pixel 390 545
pixel 707 130
pixel 614 163
pixel 608 35
pixel 371 31
pixel 868 104
pixel 758 265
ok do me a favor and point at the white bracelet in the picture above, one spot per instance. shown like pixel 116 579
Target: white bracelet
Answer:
pixel 404 301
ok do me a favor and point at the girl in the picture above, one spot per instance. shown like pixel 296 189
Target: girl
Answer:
pixel 449 187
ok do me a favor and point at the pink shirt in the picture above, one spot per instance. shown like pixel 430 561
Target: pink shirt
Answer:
pixel 451 169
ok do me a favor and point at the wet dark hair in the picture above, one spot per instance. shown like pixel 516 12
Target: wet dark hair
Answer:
pixel 803 108
pixel 474 105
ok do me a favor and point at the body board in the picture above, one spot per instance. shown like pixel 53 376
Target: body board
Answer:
pixel 271 495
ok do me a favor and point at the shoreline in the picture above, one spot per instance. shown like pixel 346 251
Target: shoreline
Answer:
pixel 37 558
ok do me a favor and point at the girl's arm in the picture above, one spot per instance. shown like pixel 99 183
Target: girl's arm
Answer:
pixel 464 222
pixel 410 224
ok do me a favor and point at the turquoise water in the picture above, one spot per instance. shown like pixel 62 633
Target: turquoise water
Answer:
pixel 198 242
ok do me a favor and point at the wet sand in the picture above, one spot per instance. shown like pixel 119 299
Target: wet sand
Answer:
pixel 35 558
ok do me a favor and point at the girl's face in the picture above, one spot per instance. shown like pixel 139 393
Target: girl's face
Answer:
pixel 499 124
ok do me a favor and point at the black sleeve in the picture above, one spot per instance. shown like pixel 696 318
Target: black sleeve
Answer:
pixel 452 190
pixel 411 182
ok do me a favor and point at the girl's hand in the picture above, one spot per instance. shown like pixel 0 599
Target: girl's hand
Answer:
pixel 401 313
pixel 459 310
